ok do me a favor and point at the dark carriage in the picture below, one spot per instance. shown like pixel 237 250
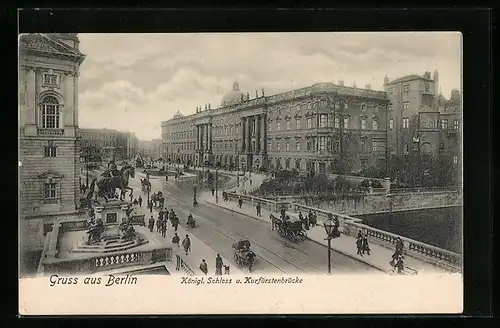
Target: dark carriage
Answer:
pixel 291 229
pixel 243 255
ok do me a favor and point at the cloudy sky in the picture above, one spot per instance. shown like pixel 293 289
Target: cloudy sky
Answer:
pixel 132 82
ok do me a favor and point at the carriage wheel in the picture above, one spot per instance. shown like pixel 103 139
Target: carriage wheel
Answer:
pixel 302 235
pixel 281 232
pixel 293 237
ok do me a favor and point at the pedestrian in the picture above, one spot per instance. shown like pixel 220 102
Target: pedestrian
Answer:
pixel 204 267
pixel 150 205
pixel 186 244
pixel 140 201
pixel 400 265
pixel 240 202
pixel 250 182
pixel 176 239
pixel 258 209
pixel 135 202
pixel 151 224
pixel 218 265
pixel 175 223
pixel 164 228
pixel 213 191
pixel 158 224
pixel 359 244
pixel 226 269
pixel 301 217
pixel 366 247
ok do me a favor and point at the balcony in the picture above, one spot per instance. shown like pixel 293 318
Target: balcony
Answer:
pixel 50 132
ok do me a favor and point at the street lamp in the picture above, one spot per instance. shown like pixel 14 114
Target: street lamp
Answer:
pixel 194 194
pixel 329 225
pixel 238 167
pixel 148 185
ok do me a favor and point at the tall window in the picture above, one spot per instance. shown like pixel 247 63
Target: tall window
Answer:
pixel 406 105
pixel 363 123
pixel 287 124
pixel 269 145
pixel 375 125
pixel 391 107
pixel 297 145
pixel 269 127
pixel 363 145
pixel 308 145
pixel 337 122
pixel 391 124
pixel 50 191
pixel 49 151
pixel 346 105
pixel 337 105
pixel 406 88
pixel 297 123
pixel 50 113
pixel 278 125
pixel 405 149
pixel 323 121
pixel 378 145
pixel 406 122
pixel 278 145
pixel 441 147
pixel 309 123
pixel 322 143
pixel 287 146
pixel 346 122
pixel 455 159
pixel 444 124
pixel 455 124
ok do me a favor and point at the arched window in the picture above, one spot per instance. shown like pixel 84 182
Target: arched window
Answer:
pixel 50 113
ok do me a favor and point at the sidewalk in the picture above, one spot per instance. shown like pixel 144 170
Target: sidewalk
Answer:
pixel 379 258
pixel 199 250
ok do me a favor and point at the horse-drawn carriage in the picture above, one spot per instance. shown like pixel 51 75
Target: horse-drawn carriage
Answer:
pixel 290 229
pixel 243 255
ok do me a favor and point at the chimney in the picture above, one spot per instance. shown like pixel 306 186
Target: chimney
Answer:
pixel 368 86
pixel 386 80
pixel 341 83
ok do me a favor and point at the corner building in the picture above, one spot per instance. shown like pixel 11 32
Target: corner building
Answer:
pixel 321 128
pixel 49 66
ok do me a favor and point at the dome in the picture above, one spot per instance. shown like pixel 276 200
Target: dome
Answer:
pixel 233 96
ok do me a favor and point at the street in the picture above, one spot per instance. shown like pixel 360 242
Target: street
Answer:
pixel 220 229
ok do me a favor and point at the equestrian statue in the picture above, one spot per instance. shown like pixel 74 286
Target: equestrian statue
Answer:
pixel 112 179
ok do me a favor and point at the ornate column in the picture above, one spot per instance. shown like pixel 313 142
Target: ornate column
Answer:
pixel 243 129
pixel 207 146
pixel 197 137
pixel 30 97
pixel 257 133
pixel 263 133
pixel 248 136
pixel 210 136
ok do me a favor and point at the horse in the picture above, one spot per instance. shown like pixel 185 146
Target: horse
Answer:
pixel 107 185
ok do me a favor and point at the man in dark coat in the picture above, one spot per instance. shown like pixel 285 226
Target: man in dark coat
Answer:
pixel 218 265
pixel 204 267
pixel 186 244
pixel 359 245
pixel 140 201
pixel 164 227
pixel 366 247
pixel 151 224
pixel 258 209
pixel 176 239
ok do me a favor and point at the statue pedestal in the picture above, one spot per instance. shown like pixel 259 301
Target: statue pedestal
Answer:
pixel 111 213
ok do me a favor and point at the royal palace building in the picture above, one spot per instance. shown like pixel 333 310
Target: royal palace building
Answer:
pixel 48 131
pixel 321 128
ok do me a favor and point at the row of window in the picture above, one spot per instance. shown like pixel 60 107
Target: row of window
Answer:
pixel 323 122
pixel 325 143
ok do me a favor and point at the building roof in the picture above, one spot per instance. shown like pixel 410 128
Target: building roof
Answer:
pixel 49 45
pixel 233 96
pixel 409 78
pixel 178 115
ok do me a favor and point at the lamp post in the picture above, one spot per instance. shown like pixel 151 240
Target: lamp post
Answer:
pixel 238 167
pixel 329 225
pixel 216 191
pixel 194 194
pixel 148 186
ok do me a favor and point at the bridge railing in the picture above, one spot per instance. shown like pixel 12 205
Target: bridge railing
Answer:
pixel 351 226
pixel 181 265
pixel 425 189
pixel 425 252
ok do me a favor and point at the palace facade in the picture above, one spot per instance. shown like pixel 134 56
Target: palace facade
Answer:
pixel 321 128
pixel 48 131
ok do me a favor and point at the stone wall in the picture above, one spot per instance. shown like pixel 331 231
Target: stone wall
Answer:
pixel 380 202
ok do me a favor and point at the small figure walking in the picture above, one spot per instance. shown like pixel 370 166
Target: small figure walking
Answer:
pixel 218 265
pixel 400 265
pixel 176 239
pixel 140 201
pixel 226 269
pixel 186 244
pixel 151 224
pixel 258 209
pixel 359 244
pixel 164 228
pixel 204 267
pixel 366 247
pixel 240 202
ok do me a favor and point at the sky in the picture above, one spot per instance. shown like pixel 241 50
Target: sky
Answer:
pixel 133 82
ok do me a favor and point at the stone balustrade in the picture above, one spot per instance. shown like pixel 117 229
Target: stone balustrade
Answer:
pixel 181 265
pixel 351 226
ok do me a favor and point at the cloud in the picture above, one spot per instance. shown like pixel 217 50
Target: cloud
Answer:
pixel 134 81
